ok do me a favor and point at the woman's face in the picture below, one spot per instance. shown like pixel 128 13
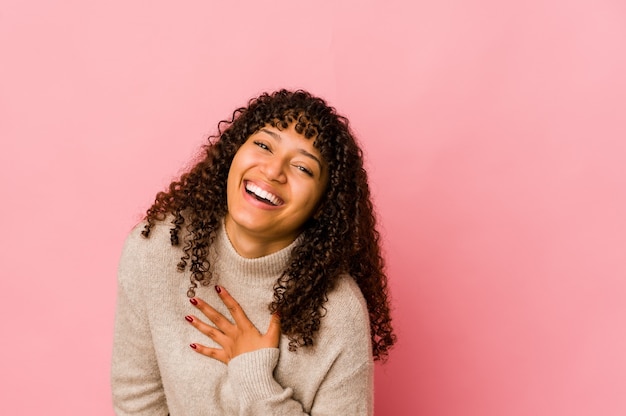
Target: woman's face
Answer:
pixel 275 183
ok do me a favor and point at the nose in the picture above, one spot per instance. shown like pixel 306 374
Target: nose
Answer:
pixel 274 170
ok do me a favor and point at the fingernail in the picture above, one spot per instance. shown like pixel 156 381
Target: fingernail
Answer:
pixel 193 346
pixel 218 289
pixel 189 318
pixel 193 301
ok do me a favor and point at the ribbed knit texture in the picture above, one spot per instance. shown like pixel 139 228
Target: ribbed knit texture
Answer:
pixel 155 372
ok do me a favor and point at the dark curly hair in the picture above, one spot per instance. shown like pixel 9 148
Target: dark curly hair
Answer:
pixel 340 239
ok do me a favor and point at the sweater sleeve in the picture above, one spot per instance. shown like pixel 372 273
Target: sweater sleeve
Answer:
pixel 135 378
pixel 261 394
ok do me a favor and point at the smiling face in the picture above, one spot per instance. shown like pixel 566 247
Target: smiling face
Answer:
pixel 275 183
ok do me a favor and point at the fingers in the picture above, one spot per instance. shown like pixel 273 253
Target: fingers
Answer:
pixel 211 332
pixel 234 338
pixel 215 353
pixel 235 309
pixel 214 316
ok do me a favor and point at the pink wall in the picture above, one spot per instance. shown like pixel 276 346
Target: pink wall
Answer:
pixel 495 136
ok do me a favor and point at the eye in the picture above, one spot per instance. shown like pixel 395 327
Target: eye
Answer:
pixel 262 146
pixel 304 169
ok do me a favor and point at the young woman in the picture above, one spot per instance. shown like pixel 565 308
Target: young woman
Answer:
pixel 255 285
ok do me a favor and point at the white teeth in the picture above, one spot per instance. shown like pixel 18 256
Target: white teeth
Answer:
pixel 250 187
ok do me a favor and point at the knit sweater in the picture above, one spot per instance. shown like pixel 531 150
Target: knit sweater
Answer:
pixel 155 372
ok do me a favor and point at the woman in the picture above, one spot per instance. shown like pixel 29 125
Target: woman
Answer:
pixel 255 286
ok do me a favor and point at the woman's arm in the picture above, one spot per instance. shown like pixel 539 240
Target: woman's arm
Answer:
pixel 135 378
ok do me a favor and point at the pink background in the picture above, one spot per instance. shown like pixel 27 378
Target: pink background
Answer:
pixel 495 136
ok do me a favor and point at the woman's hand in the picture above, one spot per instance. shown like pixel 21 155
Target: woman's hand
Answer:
pixel 235 339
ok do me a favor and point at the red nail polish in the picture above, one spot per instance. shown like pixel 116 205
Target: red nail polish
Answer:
pixel 193 301
pixel 218 289
pixel 193 346
pixel 189 318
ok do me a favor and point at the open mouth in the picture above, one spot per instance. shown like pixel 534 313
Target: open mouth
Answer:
pixel 263 195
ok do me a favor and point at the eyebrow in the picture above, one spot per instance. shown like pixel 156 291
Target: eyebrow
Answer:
pixel 278 137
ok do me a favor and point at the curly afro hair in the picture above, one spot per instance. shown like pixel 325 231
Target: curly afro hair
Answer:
pixel 341 239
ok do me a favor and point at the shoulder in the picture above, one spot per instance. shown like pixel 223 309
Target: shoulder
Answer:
pixel 137 244
pixel 147 255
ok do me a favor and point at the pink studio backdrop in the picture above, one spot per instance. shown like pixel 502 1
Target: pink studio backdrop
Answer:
pixel 495 137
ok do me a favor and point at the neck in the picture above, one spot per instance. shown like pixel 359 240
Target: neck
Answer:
pixel 250 246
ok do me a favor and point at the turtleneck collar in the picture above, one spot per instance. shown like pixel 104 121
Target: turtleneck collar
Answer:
pixel 258 271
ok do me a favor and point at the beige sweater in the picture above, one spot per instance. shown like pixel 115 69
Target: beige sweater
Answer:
pixel 155 372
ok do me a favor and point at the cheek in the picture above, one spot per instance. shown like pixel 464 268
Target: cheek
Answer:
pixel 312 195
pixel 243 161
